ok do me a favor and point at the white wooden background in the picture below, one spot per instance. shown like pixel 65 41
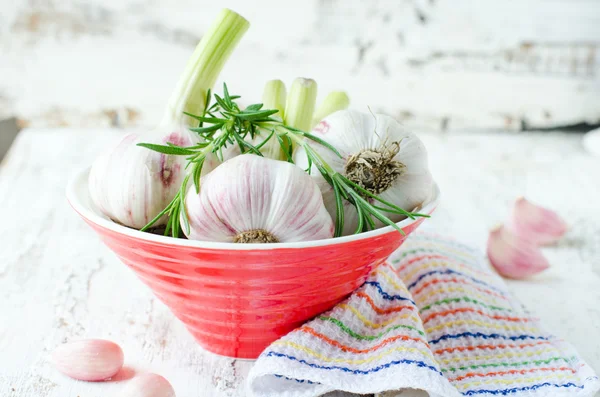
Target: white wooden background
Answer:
pixel 59 283
pixel 440 64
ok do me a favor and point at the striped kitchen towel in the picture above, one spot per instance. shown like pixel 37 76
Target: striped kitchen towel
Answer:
pixel 432 318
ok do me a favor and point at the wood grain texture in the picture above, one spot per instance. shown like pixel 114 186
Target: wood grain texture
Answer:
pixel 439 64
pixel 59 283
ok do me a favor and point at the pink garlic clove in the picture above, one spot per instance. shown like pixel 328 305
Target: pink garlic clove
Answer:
pixel 148 385
pixel 537 224
pixel 513 256
pixel 89 360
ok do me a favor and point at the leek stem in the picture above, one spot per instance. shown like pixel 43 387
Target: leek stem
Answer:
pixel 274 96
pixel 300 104
pixel 335 100
pixel 204 66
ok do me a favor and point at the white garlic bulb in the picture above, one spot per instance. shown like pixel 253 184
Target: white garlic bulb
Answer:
pixel 132 184
pixel 377 154
pixel 252 199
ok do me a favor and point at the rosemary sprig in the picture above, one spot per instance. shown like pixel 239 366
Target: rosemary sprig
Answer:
pixel 224 123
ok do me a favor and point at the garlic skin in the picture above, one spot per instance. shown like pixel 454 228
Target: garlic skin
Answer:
pixel 212 161
pixel 131 184
pixel 537 224
pixel 148 385
pixel 365 140
pixel 513 256
pixel 252 199
pixel 271 150
pixel 89 360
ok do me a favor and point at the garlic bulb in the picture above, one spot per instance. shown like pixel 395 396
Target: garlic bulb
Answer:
pixel 131 184
pixel 252 199
pixel 378 155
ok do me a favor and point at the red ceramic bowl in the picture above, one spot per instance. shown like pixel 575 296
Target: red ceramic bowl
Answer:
pixel 238 298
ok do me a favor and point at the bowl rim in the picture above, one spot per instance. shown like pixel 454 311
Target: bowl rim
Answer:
pixel 77 193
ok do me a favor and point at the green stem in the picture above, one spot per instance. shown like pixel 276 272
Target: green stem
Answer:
pixel 204 66
pixel 335 101
pixel 274 96
pixel 299 140
pixel 300 104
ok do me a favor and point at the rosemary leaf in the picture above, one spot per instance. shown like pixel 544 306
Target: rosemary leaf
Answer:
pixel 182 211
pixel 168 149
pixel 263 143
pixel 221 102
pixel 339 211
pixel 256 116
pixel 322 142
pixel 253 108
pixel 212 128
pixel 284 148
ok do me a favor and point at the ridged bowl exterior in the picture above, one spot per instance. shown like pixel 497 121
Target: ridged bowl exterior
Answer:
pixel 236 302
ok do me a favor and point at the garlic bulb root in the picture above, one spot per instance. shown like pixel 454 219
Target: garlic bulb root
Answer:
pixel 375 169
pixel 255 236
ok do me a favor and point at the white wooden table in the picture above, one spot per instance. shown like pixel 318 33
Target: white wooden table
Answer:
pixel 58 282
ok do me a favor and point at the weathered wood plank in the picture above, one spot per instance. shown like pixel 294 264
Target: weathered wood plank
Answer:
pixel 440 64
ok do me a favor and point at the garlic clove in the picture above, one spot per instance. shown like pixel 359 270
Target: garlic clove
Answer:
pixel 88 360
pixel 148 385
pixel 252 199
pixel 537 224
pixel 513 256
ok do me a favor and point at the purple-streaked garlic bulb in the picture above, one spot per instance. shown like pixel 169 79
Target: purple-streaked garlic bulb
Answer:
pixel 252 199
pixel 131 184
pixel 378 155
